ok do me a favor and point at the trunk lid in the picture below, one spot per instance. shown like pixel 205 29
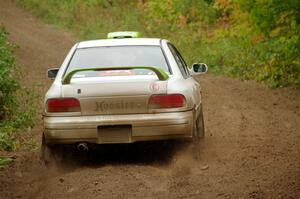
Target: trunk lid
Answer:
pixel 114 95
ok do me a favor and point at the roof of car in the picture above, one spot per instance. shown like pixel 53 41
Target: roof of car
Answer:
pixel 120 42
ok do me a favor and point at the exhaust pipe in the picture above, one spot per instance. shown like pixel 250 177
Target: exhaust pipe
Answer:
pixel 82 147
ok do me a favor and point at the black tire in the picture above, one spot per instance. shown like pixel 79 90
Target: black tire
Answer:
pixel 48 153
pixel 199 130
pixel 45 151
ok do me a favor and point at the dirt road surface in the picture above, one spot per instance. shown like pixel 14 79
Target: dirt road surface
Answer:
pixel 251 149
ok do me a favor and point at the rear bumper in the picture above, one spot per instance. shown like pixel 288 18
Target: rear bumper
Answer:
pixel 139 127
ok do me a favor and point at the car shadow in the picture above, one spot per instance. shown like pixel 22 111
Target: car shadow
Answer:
pixel 140 153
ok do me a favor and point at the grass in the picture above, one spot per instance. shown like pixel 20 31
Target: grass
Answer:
pixel 224 34
pixel 4 161
pixel 17 103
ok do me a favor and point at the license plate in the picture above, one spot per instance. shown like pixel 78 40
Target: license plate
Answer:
pixel 114 134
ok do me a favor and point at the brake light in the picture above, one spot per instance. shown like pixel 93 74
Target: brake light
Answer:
pixel 166 101
pixel 63 105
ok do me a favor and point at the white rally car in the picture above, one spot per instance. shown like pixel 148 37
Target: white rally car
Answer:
pixel 121 90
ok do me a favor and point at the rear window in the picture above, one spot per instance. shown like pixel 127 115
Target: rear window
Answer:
pixel 118 56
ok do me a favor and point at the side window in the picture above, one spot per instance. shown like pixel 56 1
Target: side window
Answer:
pixel 180 61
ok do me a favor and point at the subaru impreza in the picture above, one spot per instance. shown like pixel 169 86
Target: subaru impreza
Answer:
pixel 122 89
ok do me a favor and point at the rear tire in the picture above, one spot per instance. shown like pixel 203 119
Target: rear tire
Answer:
pixel 49 153
pixel 45 151
pixel 199 130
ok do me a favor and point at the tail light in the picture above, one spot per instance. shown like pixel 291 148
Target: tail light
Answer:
pixel 63 105
pixel 166 101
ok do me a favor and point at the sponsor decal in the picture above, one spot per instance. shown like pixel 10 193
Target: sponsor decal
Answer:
pixel 122 105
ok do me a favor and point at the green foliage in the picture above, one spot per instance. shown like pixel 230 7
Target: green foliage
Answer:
pixel 8 85
pixel 176 13
pixel 248 39
pixel 262 42
pixel 91 19
pixel 5 161
pixel 15 114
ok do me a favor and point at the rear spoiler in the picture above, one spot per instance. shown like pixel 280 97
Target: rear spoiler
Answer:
pixel 161 74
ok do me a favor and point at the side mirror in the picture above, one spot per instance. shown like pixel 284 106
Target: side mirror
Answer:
pixel 51 73
pixel 199 68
